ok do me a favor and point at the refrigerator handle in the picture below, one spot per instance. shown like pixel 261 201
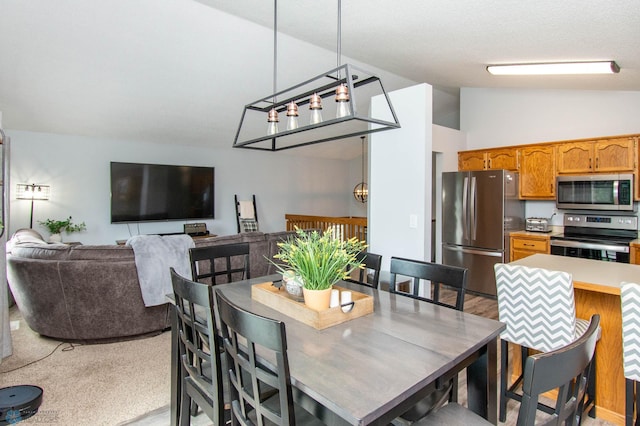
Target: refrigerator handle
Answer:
pixel 473 208
pixel 465 193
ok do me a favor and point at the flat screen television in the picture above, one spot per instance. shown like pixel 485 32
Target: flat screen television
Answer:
pixel 159 192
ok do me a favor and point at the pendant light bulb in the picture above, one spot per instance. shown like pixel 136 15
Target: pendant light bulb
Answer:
pixel 342 97
pixel 315 105
pixel 292 116
pixel 272 119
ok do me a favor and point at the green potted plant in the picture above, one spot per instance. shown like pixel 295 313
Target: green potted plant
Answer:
pixel 55 227
pixel 319 260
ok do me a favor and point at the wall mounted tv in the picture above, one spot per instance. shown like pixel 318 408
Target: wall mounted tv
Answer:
pixel 157 192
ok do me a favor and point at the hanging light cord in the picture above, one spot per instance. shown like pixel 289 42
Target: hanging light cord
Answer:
pixel 339 41
pixel 275 48
pixel 362 137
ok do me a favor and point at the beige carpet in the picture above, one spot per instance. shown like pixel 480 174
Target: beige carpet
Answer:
pixel 102 384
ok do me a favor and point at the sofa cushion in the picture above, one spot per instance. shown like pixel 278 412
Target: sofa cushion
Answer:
pixel 27 235
pixel 101 253
pixel 41 251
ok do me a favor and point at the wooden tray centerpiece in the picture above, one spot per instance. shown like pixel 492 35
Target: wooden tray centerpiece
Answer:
pixel 278 299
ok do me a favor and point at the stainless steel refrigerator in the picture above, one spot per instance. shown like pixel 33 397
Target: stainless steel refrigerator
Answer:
pixel 479 209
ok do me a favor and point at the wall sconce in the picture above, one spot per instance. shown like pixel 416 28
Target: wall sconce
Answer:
pixel 32 192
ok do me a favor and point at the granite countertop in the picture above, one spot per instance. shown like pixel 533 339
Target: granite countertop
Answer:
pixel 588 274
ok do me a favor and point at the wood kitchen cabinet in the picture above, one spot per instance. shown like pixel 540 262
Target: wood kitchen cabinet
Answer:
pixel 492 159
pixel 538 172
pixel 526 244
pixel 600 156
pixel 634 253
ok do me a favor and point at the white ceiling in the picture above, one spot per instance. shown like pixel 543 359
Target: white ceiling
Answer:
pixel 179 71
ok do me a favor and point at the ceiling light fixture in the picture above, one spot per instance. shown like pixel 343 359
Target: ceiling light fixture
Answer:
pixel 558 68
pixel 352 89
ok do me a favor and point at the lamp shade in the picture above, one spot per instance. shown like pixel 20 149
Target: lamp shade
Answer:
pixel 32 191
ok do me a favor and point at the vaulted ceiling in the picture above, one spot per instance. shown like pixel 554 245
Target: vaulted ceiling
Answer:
pixel 179 71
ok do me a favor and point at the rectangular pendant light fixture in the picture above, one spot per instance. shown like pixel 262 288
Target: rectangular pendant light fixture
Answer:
pixel 557 68
pixel 318 93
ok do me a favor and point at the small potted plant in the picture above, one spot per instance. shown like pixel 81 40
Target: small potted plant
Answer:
pixel 319 260
pixel 56 227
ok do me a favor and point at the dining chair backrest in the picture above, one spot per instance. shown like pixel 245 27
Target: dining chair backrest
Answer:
pixel 451 276
pixel 563 369
pixel 199 352
pixel 537 305
pixel 220 264
pixel 244 333
pixel 370 275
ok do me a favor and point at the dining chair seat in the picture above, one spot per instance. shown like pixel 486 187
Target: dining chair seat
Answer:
pixel 560 369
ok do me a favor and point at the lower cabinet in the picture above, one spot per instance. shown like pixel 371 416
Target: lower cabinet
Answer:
pixel 634 253
pixel 526 244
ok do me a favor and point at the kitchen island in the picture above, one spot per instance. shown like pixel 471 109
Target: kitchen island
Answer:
pixel 597 291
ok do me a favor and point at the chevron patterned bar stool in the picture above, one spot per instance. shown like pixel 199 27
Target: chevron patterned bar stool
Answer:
pixel 630 302
pixel 538 307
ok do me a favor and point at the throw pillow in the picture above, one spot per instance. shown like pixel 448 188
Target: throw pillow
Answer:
pixel 248 225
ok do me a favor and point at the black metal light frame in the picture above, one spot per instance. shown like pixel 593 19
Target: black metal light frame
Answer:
pixel 362 86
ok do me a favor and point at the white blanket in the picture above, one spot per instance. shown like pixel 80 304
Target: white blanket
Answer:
pixel 154 255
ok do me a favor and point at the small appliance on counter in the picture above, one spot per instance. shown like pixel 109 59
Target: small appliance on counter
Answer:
pixel 537 224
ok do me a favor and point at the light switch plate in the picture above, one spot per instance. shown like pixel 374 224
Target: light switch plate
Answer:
pixel 413 221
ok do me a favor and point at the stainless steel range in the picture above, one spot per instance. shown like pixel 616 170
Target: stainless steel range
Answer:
pixel 600 237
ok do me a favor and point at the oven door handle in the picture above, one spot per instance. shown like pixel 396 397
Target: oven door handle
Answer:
pixel 592 246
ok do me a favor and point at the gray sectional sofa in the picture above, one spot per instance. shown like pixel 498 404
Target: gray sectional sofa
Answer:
pixel 91 293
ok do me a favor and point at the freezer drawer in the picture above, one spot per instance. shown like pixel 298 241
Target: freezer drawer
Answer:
pixel 481 276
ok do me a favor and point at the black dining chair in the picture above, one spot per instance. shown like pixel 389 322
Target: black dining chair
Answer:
pixel 245 334
pixel 229 261
pixel 563 369
pixel 453 277
pixel 370 275
pixel 434 275
pixel 202 367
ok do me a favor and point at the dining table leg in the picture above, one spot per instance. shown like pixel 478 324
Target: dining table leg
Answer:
pixel 176 380
pixel 482 383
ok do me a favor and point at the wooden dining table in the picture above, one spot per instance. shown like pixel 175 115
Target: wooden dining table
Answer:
pixel 373 368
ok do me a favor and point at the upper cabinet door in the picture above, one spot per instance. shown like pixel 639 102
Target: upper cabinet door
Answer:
pixel 538 172
pixel 575 157
pixel 615 155
pixel 502 159
pixel 471 161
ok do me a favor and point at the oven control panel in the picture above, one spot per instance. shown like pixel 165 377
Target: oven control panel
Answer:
pixel 601 221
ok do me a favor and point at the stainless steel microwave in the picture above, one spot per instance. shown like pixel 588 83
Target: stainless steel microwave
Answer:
pixel 595 192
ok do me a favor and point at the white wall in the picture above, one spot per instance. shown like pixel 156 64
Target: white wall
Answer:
pixel 77 168
pixel 501 117
pixel 400 185
pixel 446 144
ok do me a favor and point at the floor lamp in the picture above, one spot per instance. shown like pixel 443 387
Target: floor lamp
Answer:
pixel 32 192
